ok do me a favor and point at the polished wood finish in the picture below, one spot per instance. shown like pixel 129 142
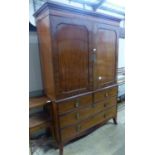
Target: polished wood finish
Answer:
pixel 105 61
pixel 107 103
pixel 73 12
pixel 73 131
pixel 74 103
pixel 76 116
pixel 36 102
pixel 68 133
pixel 73 52
pixel 80 114
pixel 102 95
pixel 45 47
pixel 79 58
pixel 37 122
pixel 97 119
pixel 73 67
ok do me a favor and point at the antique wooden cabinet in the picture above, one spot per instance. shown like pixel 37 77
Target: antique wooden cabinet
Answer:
pixel 78 52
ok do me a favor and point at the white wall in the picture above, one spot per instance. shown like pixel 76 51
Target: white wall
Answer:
pixel 35 79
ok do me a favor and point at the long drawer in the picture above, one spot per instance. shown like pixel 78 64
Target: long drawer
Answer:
pixel 67 106
pixel 98 119
pixel 84 113
pixel 75 116
pixel 102 95
pixel 70 132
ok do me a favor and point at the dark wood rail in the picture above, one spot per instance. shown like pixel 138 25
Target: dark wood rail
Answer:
pixel 38 102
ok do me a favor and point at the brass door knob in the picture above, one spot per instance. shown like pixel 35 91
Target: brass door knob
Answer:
pixel 48 101
pixel 94 49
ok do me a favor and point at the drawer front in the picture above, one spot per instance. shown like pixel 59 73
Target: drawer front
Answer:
pixel 91 122
pixel 105 94
pixel 99 118
pixel 110 113
pixel 77 102
pixel 81 114
pixel 76 116
pixel 103 105
pixel 68 133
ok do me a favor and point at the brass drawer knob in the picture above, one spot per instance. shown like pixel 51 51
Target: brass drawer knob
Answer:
pixel 77 104
pixel 78 128
pixel 77 116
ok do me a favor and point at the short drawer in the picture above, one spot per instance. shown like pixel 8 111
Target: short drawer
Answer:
pixel 103 105
pixel 76 116
pixel 75 103
pixel 102 95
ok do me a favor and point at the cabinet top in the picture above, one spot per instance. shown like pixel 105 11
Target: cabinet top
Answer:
pixel 58 6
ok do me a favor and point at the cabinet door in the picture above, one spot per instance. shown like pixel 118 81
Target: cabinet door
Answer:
pixel 73 71
pixel 105 55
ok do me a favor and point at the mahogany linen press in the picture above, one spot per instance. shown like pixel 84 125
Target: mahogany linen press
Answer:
pixel 78 51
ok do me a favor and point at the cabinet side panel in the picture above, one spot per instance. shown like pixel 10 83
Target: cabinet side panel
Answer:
pixel 45 44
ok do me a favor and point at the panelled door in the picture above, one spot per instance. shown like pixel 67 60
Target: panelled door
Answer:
pixel 73 68
pixel 105 55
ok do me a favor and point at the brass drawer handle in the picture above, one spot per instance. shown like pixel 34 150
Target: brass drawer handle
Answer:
pixel 77 104
pixel 106 94
pixel 77 116
pixel 78 128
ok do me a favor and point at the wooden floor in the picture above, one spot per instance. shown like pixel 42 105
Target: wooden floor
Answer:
pixel 107 140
